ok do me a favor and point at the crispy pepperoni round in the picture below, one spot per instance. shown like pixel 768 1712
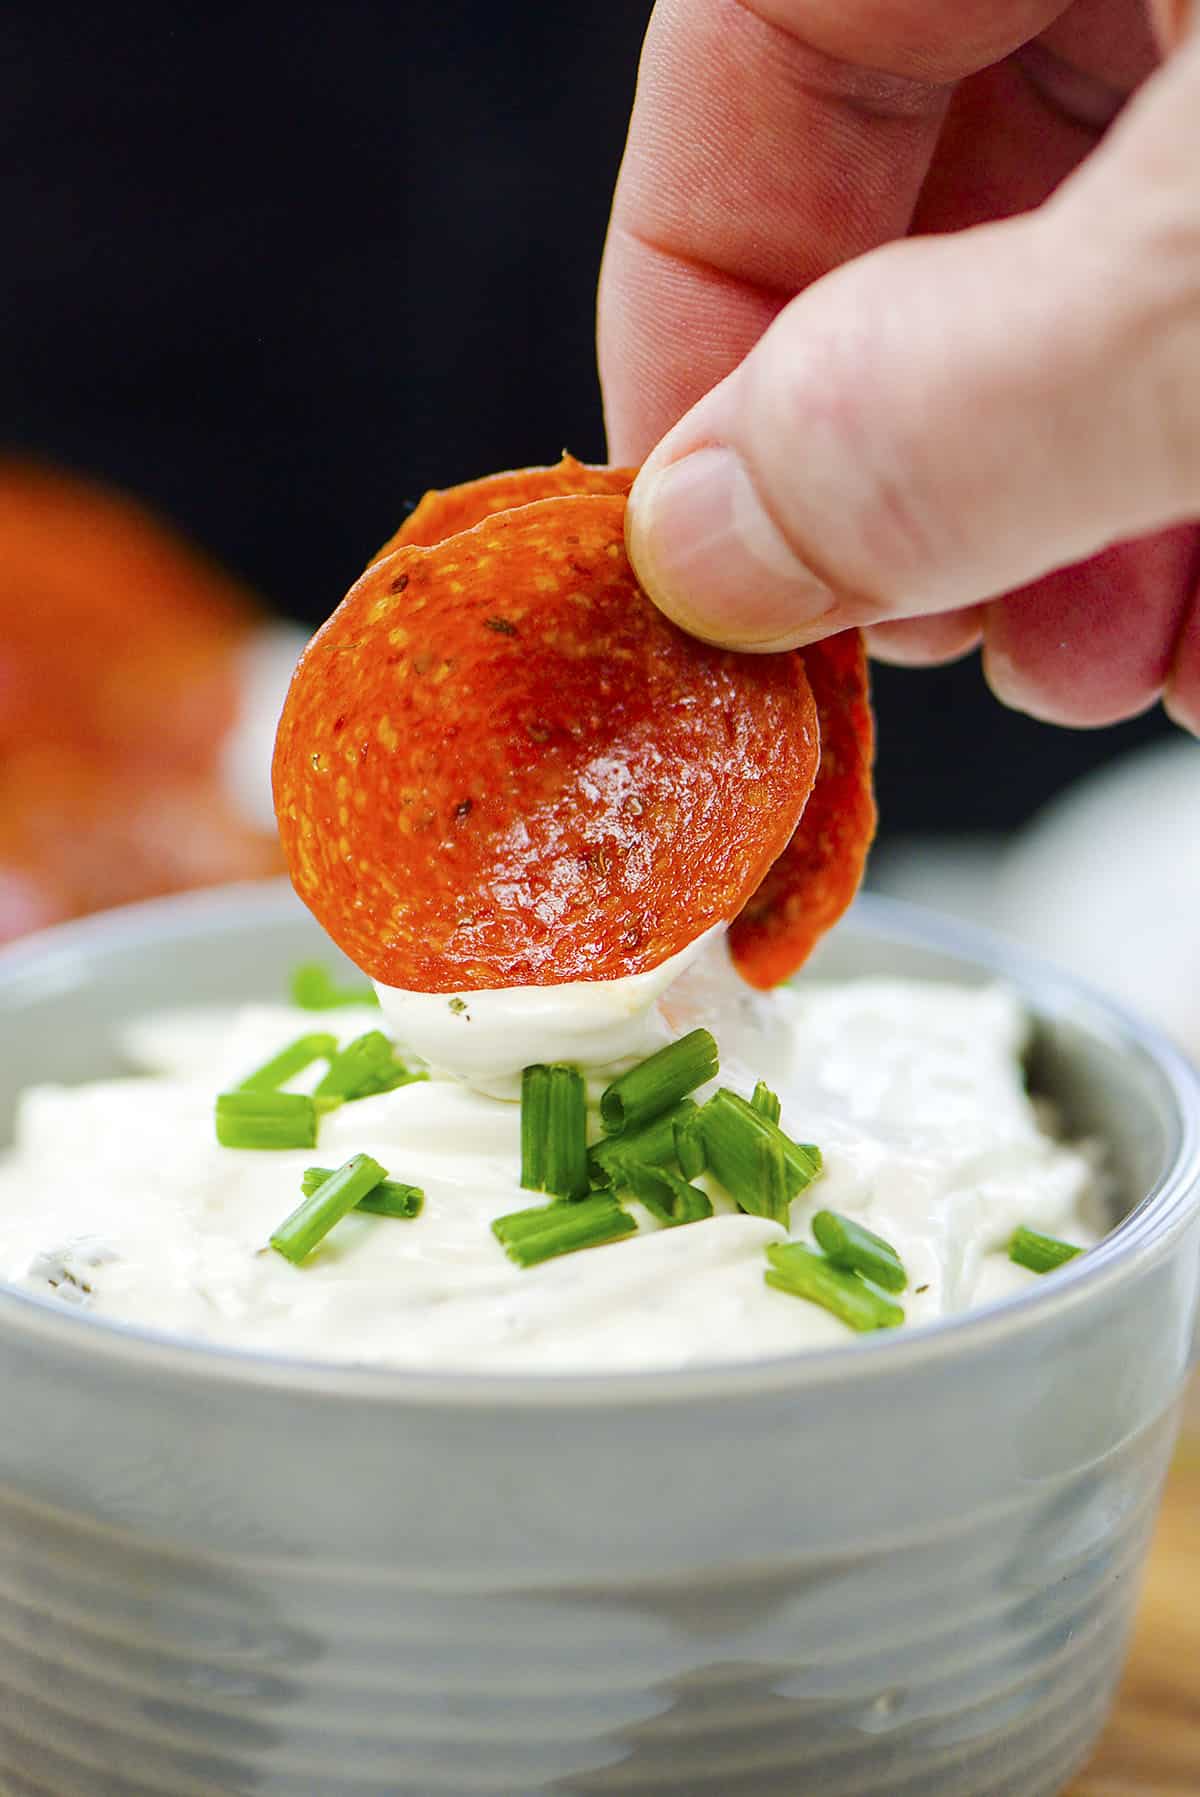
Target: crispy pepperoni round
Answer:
pixel 818 874
pixel 808 888
pixel 500 765
pixel 444 511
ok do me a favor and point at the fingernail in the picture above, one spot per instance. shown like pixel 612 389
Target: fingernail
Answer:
pixel 711 557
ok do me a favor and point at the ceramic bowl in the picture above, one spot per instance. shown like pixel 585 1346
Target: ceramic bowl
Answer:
pixel 903 1568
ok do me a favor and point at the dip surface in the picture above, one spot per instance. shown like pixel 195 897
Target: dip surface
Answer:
pixel 117 1197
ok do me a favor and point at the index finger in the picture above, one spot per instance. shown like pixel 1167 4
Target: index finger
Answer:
pixel 771 140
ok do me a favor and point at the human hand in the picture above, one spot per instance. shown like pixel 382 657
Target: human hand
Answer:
pixel 928 440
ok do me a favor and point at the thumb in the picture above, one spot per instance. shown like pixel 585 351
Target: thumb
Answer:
pixel 950 418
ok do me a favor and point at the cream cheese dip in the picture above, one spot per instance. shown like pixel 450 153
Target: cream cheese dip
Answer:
pixel 117 1197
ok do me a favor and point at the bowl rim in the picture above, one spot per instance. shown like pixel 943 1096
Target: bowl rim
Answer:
pixel 1155 1221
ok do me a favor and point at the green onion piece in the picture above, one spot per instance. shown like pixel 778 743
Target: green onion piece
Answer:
pixel 313 988
pixel 554 1155
pixel 656 1084
pixel 530 1236
pixel 1040 1253
pixel 388 1199
pixel 766 1102
pixel 859 1250
pixel 266 1120
pixel 653 1146
pixel 535 1126
pixel 760 1167
pixel 566 1134
pixel 312 1220
pixel 288 1062
pixel 361 1069
pixel 690 1151
pixel 667 1197
pixel 806 1274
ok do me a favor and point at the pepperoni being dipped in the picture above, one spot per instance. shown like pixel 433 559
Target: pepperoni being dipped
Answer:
pixel 814 880
pixel 500 765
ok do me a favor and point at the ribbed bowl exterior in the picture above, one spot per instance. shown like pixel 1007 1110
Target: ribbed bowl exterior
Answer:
pixel 906 1571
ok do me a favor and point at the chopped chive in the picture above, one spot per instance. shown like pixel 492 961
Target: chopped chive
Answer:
pixel 535 1126
pixel 760 1167
pixel 388 1199
pixel 266 1120
pixel 531 1236
pixel 312 1219
pixel 689 1141
pixel 313 988
pixel 288 1062
pixel 805 1274
pixel 652 1146
pixel 667 1197
pixel 566 1135
pixel 554 1155
pixel 657 1083
pixel 766 1102
pixel 364 1068
pixel 859 1250
pixel 1040 1253
pixel 770 1180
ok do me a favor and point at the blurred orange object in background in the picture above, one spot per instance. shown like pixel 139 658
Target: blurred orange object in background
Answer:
pixel 121 656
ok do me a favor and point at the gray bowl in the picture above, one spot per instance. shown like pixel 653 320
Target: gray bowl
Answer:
pixel 906 1568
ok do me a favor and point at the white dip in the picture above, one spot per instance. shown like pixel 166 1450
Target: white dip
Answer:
pixel 117 1196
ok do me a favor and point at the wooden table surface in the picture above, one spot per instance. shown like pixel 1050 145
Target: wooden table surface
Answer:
pixel 1151 1747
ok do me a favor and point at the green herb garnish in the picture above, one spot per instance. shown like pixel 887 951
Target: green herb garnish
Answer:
pixel 766 1102
pixel 388 1199
pixel 1040 1253
pixel 312 1220
pixel 554 1131
pixel 659 1082
pixel 266 1120
pixel 530 1236
pixel 313 988
pixel 760 1167
pixel 655 1145
pixel 688 1131
pixel 288 1062
pixel 859 1250
pixel 363 1069
pixel 805 1274
pixel 667 1197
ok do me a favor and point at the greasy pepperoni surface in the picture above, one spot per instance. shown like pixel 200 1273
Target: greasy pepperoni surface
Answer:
pixel 500 765
pixel 818 874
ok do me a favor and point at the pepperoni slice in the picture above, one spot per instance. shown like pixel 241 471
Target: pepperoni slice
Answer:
pixel 118 637
pixel 77 836
pixel 444 511
pixel 500 765
pixel 818 873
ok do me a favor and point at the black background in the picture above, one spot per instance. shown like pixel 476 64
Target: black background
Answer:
pixel 278 269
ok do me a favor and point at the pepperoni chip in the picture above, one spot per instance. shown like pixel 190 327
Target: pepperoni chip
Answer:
pixel 116 636
pixel 444 511
pixel 500 765
pixel 818 874
pixel 119 680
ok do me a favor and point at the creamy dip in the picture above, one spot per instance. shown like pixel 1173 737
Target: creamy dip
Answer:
pixel 118 1198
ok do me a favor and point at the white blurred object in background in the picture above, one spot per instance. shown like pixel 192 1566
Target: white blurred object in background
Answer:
pixel 1104 882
